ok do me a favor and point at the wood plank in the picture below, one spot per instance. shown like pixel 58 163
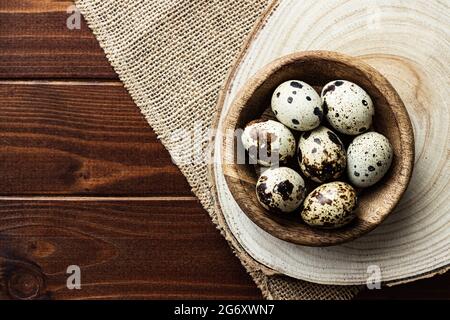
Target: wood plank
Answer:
pixel 35 42
pixel 139 249
pixel 80 139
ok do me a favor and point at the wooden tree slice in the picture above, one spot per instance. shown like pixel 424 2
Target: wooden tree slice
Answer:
pixel 409 43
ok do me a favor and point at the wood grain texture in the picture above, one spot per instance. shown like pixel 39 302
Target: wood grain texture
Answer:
pixel 80 139
pixel 139 249
pixel 36 43
pixel 391 119
pixel 36 242
pixel 414 241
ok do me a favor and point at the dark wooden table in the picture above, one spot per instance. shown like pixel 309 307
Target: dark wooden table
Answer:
pixel 84 181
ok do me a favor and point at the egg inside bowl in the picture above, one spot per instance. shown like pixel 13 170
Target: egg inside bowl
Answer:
pixel 318 68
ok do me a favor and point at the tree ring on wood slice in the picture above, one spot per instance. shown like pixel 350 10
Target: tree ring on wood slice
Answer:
pixel 413 242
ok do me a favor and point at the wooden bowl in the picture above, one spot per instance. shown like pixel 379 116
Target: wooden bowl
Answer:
pixel 391 119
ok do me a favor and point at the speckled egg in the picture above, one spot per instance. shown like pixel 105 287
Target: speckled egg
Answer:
pixel 274 141
pixel 321 155
pixel 349 109
pixel 297 105
pixel 280 189
pixel 369 158
pixel 329 206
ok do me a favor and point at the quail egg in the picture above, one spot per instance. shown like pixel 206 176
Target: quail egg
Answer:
pixel 369 158
pixel 297 105
pixel 268 142
pixel 280 189
pixel 331 205
pixel 349 109
pixel 321 155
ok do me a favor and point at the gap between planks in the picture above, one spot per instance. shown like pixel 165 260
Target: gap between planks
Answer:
pixel 94 198
pixel 73 82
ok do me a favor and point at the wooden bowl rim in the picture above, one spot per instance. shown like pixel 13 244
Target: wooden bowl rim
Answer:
pixel 401 118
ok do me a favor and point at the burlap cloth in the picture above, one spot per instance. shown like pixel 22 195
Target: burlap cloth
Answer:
pixel 173 57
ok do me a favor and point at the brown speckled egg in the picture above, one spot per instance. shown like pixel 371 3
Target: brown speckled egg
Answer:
pixel 268 141
pixel 321 155
pixel 280 189
pixel 329 206
pixel 369 158
pixel 349 108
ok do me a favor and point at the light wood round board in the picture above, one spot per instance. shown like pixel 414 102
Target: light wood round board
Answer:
pixel 409 43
